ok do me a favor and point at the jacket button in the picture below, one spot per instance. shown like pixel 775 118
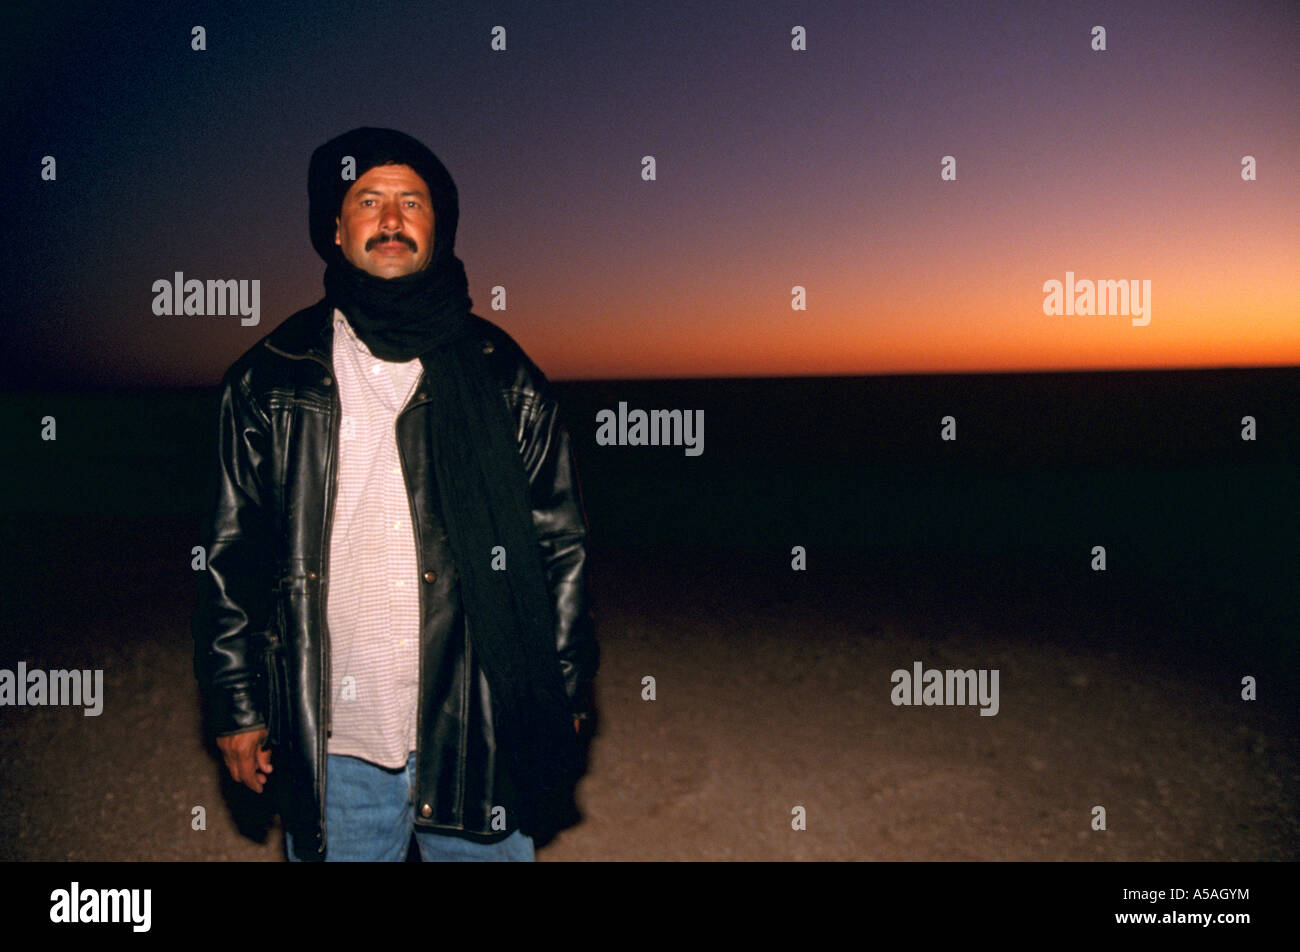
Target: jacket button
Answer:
pixel 430 576
pixel 421 395
pixel 488 348
pixel 426 811
pixel 311 574
pixel 327 381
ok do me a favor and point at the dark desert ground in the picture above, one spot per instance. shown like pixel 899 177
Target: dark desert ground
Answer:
pixel 1119 688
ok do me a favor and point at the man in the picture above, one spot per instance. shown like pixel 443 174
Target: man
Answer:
pixel 393 629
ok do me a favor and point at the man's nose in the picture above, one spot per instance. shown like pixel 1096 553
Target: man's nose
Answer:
pixel 391 217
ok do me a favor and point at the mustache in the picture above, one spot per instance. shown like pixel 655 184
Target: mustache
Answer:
pixel 381 237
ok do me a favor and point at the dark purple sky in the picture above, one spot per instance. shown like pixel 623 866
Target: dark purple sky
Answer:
pixel 775 169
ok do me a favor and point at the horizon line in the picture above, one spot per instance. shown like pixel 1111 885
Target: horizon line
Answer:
pixel 110 389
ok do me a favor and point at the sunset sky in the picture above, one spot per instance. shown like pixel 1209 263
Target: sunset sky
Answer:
pixel 775 168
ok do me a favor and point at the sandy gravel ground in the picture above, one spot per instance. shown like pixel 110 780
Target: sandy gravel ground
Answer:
pixel 772 692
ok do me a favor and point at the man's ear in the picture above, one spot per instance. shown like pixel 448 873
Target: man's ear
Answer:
pixel 336 231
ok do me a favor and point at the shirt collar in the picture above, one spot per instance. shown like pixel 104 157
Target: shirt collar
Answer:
pixel 340 320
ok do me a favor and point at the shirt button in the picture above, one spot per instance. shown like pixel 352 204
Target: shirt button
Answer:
pixel 397 471
pixel 429 576
pixel 426 811
pixel 397 525
pixel 377 369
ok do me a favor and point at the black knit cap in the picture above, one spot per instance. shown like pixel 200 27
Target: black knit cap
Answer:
pixel 369 147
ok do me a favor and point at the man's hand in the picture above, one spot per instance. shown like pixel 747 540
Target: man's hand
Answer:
pixel 246 759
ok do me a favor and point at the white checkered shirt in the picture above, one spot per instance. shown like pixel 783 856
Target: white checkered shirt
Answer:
pixel 373 608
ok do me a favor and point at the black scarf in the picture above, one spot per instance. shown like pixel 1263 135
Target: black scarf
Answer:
pixel 484 495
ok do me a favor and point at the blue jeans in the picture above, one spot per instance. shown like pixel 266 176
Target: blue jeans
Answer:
pixel 370 815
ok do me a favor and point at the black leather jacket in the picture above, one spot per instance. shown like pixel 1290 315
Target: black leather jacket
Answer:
pixel 261 645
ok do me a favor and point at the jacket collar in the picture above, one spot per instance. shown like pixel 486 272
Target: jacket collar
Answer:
pixel 309 335
pixel 306 335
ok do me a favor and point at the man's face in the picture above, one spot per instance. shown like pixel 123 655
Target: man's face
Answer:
pixel 385 226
